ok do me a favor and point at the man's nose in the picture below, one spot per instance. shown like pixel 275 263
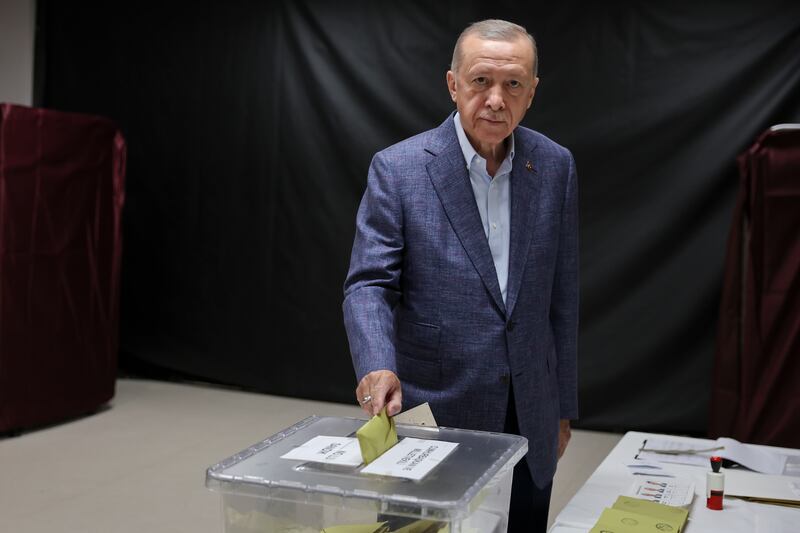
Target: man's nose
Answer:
pixel 494 99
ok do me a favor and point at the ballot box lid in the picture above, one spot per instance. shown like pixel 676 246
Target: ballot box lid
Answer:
pixel 446 491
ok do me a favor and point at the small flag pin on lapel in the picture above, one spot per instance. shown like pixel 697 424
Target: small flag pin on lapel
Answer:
pixel 529 166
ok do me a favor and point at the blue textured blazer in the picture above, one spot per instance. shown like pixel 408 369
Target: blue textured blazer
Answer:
pixel 422 297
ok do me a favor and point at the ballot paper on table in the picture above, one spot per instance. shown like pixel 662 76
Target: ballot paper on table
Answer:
pixel 762 488
pixel 329 450
pixel 677 492
pixel 411 458
pixel 676 446
pixel 756 459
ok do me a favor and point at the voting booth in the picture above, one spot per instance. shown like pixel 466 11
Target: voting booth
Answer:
pixel 433 480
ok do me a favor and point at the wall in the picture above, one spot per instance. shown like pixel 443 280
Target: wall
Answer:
pixel 17 28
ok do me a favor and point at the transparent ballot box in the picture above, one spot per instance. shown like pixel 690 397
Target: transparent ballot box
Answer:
pixel 466 492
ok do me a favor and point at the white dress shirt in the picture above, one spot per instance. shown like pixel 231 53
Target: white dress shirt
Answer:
pixel 493 198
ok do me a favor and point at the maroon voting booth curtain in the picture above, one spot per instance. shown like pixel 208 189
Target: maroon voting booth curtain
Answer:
pixel 755 396
pixel 61 196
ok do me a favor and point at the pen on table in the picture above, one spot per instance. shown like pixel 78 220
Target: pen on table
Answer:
pixel 682 452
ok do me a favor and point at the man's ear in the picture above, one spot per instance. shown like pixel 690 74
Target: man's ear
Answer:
pixel 533 91
pixel 451 84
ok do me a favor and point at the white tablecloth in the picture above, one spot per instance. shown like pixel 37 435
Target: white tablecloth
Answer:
pixel 613 478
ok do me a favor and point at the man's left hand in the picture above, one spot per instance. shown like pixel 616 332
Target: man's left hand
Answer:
pixel 564 434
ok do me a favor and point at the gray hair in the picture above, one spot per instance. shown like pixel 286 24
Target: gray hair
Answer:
pixel 494 30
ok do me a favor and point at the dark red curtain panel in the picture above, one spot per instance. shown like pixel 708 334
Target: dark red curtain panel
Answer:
pixel 757 375
pixel 61 196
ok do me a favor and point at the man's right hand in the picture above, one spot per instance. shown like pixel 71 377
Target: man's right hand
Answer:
pixel 383 386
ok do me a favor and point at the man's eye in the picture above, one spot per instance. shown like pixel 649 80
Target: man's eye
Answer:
pixel 514 84
pixel 481 80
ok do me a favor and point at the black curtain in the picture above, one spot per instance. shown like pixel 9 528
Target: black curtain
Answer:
pixel 251 125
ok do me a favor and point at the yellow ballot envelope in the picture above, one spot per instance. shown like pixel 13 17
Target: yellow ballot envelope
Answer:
pixel 672 514
pixel 376 436
pixel 617 521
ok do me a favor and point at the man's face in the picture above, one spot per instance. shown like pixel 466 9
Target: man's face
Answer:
pixel 493 88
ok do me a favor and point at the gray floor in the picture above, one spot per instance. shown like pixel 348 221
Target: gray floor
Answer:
pixel 139 466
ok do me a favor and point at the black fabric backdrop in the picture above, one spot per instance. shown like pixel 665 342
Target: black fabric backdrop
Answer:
pixel 251 125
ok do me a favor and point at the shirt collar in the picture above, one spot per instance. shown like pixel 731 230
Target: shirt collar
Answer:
pixel 469 151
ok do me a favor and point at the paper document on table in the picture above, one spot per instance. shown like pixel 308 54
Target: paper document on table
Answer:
pixel 756 459
pixel 761 488
pixel 329 450
pixel 687 453
pixel 674 492
pixel 792 467
pixel 670 451
pixel 411 458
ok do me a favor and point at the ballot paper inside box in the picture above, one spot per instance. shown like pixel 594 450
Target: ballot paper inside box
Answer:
pixel 468 491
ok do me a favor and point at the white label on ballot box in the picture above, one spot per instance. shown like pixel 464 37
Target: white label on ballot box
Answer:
pixel 411 458
pixel 330 450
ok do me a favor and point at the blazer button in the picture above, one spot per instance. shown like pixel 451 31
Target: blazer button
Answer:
pixel 510 325
pixel 504 379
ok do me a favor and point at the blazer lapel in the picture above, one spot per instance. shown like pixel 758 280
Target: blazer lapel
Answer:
pixel 524 193
pixel 450 178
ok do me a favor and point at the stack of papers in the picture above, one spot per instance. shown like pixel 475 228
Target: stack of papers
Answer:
pixel 761 488
pixel 633 515
pixel 675 451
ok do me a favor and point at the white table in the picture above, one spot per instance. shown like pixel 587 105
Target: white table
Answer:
pixel 613 478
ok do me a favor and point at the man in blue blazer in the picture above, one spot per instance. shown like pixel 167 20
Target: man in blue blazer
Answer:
pixel 463 282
